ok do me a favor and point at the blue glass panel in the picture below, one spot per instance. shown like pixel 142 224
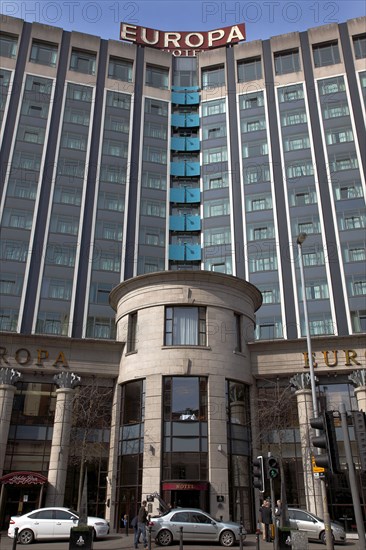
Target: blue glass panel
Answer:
pixel 177 169
pixel 192 144
pixel 192 120
pixel 193 252
pixel 179 120
pixel 192 169
pixel 193 195
pixel 176 223
pixel 178 144
pixel 177 195
pixel 193 223
pixel 178 98
pixel 192 98
pixel 185 88
pixel 176 252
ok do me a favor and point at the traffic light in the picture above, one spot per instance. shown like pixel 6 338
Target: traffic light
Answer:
pixel 258 474
pixel 327 440
pixel 273 467
pixel 359 425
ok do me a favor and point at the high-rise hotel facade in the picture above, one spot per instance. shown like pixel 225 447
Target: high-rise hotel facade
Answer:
pixel 181 182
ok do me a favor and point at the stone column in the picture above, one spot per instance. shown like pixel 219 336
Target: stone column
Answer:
pixel 312 486
pixel 111 504
pixel 66 382
pixel 8 379
pixel 358 379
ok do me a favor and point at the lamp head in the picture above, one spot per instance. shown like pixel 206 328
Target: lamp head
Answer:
pixel 301 238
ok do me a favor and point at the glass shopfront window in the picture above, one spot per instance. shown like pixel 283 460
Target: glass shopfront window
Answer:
pixel 239 451
pixel 131 446
pixel 185 455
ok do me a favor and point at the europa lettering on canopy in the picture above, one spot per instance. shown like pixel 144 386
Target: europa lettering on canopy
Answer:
pixel 183 43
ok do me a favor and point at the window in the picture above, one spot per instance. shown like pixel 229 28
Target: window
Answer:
pixel 335 109
pixel 296 143
pixel 316 290
pixel 256 233
pixel 238 340
pixel 120 101
pixel 320 326
pixel 291 93
pixel 74 141
pixel 313 258
pixel 339 135
pixel 217 236
pixel 255 149
pixel 214 77
pixel 355 253
pixel 214 131
pixel 216 107
pixel 270 295
pixel 8 45
pixel 358 288
pixel 340 162
pixel 256 174
pixel 332 85
pixel 14 250
pixel 359 320
pixel 153 208
pixel 253 125
pixel 218 207
pixel 185 326
pixel 157 77
pixel 269 329
pixel 305 168
pixel 132 332
pixel 251 101
pixel 82 61
pixel 217 154
pixel 250 69
pixel 155 107
pixel 262 263
pixel 154 181
pixel 154 130
pixel 79 93
pixel 215 181
pixel 155 154
pixel 359 44
pixel 326 54
pixel 120 69
pixel 115 148
pixel 352 222
pixel 77 116
pixel 258 202
pixel 293 117
pixel 302 197
pixel 287 62
pixel 43 53
pixel 309 227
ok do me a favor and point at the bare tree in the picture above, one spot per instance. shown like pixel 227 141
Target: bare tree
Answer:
pixel 91 422
pixel 277 413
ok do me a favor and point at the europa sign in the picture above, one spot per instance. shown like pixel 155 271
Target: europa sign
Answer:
pixel 185 44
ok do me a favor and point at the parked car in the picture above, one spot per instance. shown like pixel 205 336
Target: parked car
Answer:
pixel 198 526
pixel 306 521
pixel 52 523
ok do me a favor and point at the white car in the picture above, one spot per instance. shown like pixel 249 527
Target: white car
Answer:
pixel 52 523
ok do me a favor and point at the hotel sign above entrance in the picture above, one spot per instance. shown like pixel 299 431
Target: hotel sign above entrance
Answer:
pixel 183 44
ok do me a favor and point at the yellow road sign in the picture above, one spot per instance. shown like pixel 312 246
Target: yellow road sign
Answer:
pixel 316 469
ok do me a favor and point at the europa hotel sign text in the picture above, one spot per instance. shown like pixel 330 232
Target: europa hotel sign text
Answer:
pixel 182 44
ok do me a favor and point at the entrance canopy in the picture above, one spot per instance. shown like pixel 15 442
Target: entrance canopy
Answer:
pixel 23 478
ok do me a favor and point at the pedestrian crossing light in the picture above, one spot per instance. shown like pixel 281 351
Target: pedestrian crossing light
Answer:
pixel 258 474
pixel 273 467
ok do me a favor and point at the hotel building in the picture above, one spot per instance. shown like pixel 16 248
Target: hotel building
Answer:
pixel 179 184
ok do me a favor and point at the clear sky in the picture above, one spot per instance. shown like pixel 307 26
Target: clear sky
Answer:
pixel 263 18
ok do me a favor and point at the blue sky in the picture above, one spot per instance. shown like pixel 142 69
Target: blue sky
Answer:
pixel 263 18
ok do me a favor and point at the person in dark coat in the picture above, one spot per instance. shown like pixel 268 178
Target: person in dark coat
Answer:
pixel 141 525
pixel 266 513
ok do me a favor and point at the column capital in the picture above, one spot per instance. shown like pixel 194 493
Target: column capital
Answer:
pixel 9 376
pixel 67 380
pixel 358 378
pixel 301 381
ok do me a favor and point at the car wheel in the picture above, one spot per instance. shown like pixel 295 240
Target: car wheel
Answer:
pixel 164 538
pixel 323 537
pixel 26 536
pixel 227 538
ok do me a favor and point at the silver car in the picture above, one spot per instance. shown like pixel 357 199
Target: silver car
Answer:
pixel 306 521
pixel 198 526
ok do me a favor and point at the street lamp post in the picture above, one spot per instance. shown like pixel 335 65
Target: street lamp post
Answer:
pixel 300 240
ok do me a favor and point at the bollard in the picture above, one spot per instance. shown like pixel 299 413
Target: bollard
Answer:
pixel 241 537
pixel 180 538
pixel 126 526
pixel 257 539
pixel 149 537
pixel 15 540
